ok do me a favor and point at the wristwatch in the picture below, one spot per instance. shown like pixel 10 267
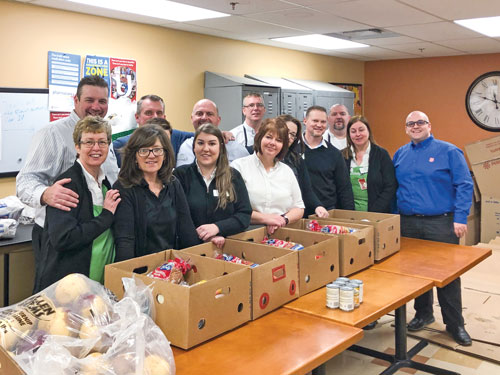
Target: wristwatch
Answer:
pixel 286 219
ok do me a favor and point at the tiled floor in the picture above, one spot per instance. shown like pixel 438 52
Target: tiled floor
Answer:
pixel 382 338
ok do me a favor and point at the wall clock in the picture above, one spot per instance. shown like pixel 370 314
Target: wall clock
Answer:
pixel 483 101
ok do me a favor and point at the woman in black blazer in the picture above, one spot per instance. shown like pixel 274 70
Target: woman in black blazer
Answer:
pixel 216 193
pixel 371 169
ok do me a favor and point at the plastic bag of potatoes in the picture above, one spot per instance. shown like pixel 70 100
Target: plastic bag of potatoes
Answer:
pixel 74 327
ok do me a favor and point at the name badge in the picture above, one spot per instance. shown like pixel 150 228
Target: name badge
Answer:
pixel 215 193
pixel 362 184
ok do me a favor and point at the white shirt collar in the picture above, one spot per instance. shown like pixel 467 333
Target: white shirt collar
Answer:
pixel 212 175
pixel 93 185
pixel 322 144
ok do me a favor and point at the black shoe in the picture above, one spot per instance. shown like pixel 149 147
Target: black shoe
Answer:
pixel 370 326
pixel 416 324
pixel 460 335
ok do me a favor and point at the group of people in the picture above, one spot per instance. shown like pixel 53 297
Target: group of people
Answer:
pixel 99 201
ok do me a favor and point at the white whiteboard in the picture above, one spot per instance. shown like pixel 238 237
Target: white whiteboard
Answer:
pixel 22 113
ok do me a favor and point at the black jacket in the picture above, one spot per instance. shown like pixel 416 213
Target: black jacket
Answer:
pixel 381 180
pixel 68 235
pixel 235 218
pixel 130 226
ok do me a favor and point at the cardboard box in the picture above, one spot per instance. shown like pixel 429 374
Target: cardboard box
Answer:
pixel 318 261
pixel 274 281
pixel 387 228
pixel 473 226
pixel 484 158
pixel 355 249
pixel 7 365
pixel 190 315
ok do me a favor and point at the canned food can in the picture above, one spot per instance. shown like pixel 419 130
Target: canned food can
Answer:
pixel 346 299
pixel 355 286
pixel 343 279
pixel 361 288
pixel 332 296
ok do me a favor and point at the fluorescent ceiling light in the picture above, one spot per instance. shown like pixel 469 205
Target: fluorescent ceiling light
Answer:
pixel 489 26
pixel 320 41
pixel 163 9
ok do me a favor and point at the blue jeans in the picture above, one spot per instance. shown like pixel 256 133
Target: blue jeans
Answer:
pixel 440 229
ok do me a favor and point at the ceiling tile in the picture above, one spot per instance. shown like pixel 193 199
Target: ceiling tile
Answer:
pixel 376 52
pixel 457 9
pixel 435 31
pixel 380 13
pixel 204 30
pixel 473 45
pixel 247 27
pixel 309 20
pixel 424 49
pixel 241 7
pixel 386 41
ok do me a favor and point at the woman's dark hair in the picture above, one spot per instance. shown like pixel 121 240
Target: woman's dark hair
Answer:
pixel 347 152
pixel 276 126
pixel 297 148
pixel 145 136
pixel 223 174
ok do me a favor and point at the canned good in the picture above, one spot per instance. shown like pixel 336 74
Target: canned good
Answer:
pixel 346 298
pixel 332 296
pixel 355 286
pixel 361 288
pixel 343 279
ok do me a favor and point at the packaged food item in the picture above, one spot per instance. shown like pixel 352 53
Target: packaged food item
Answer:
pixel 235 259
pixel 281 243
pixel 75 327
pixel 314 226
pixel 173 271
pixel 8 228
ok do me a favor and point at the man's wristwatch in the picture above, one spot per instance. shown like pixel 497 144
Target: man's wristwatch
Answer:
pixel 286 219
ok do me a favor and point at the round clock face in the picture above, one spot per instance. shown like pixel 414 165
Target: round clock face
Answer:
pixel 483 101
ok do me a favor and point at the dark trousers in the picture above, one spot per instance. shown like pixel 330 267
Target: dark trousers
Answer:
pixel 440 229
pixel 36 242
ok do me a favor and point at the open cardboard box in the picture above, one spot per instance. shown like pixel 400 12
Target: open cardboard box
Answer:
pixel 355 249
pixel 387 228
pixel 318 261
pixel 484 158
pixel 190 315
pixel 274 281
pixel 7 364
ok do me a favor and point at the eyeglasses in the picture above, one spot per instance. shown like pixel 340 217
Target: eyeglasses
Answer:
pixel 253 105
pixel 410 124
pixel 144 152
pixel 292 135
pixel 90 144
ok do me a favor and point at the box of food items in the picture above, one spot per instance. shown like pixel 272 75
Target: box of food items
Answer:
pixel 274 271
pixel 387 228
pixel 318 253
pixel 355 242
pixel 196 298
pixel 76 327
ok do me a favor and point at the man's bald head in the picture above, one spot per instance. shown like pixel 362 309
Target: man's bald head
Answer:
pixel 205 111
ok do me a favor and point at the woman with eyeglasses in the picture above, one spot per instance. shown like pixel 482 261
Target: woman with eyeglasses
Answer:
pixel 79 240
pixel 216 193
pixel 372 173
pixel 154 214
pixel 295 161
pixel 272 187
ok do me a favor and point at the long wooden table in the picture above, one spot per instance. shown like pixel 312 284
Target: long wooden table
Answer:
pixel 281 342
pixel 433 263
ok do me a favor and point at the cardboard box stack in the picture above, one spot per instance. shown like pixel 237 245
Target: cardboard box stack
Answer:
pixel 274 281
pixel 216 301
pixel 484 158
pixel 387 228
pixel 318 261
pixel 355 249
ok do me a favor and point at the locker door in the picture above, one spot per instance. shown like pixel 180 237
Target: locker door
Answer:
pixel 305 101
pixel 271 103
pixel 289 103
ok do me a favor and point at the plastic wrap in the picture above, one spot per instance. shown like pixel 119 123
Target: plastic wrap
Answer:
pixel 74 327
pixel 10 207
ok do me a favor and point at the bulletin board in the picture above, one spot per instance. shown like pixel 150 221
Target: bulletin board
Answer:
pixel 22 113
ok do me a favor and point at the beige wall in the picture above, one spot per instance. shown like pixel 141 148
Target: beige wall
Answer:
pixel 170 63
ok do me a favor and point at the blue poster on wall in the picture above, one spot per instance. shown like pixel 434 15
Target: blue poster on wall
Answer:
pixel 96 66
pixel 64 75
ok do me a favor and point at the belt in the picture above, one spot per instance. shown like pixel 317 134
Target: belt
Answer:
pixel 431 216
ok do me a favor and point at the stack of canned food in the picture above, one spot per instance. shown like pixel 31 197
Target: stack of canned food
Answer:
pixel 344 294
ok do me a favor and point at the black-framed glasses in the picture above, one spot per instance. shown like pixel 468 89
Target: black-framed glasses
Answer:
pixel 410 124
pixel 144 152
pixel 292 135
pixel 253 105
pixel 90 144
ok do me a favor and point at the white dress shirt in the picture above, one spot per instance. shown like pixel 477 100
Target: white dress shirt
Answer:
pixel 239 134
pixel 273 192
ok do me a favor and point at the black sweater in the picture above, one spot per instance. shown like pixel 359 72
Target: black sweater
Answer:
pixel 381 180
pixel 131 224
pixel 329 177
pixel 299 169
pixel 233 219
pixel 68 235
